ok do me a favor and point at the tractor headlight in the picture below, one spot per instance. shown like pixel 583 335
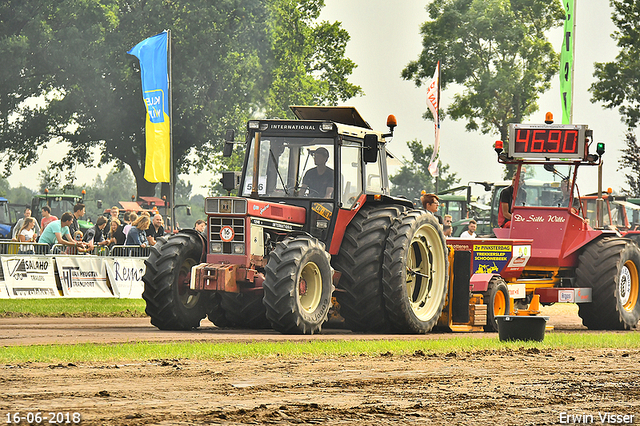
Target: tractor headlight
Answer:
pixel 238 248
pixel 216 247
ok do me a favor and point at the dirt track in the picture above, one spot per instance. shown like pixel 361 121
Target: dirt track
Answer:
pixel 525 386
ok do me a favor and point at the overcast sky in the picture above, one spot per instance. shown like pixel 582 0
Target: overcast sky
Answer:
pixel 385 37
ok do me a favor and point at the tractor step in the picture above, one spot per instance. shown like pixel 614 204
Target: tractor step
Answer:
pixel 564 295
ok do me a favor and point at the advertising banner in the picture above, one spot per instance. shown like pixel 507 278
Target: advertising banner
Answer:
pixel 125 276
pixel 29 277
pixel 82 276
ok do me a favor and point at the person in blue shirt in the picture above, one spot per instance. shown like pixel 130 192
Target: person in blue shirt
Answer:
pixel 137 235
pixel 57 232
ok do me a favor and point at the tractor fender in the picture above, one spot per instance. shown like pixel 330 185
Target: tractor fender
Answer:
pixel 344 216
pixel 203 239
pixel 480 282
pixel 587 237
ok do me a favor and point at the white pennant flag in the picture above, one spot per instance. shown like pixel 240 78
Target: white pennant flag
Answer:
pixel 433 102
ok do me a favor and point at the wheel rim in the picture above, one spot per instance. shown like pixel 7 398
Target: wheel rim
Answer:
pixel 188 298
pixel 310 287
pixel 628 286
pixel 499 304
pixel 425 272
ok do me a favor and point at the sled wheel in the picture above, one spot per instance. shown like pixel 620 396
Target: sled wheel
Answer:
pixel 610 268
pixel 498 303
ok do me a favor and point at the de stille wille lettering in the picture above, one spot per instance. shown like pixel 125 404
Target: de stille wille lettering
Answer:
pixel 539 218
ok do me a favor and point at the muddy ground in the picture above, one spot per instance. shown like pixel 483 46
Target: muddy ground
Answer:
pixel 501 387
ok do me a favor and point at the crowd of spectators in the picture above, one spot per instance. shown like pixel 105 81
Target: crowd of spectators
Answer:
pixel 134 230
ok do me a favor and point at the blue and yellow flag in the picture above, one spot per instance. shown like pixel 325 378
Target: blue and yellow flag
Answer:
pixel 152 54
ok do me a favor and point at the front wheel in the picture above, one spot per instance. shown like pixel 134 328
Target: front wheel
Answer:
pixel 298 286
pixel 610 267
pixel 170 302
pixel 415 272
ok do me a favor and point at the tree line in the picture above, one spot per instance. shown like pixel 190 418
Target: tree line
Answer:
pixel 240 59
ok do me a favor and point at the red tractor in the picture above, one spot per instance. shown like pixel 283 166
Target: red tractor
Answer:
pixel 313 214
pixel 564 253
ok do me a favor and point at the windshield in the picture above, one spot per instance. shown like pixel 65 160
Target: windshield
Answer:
pixel 292 167
pixel 542 187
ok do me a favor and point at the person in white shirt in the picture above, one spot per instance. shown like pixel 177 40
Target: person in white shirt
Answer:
pixel 471 230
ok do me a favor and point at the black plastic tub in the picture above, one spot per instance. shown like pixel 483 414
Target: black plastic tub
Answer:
pixel 516 327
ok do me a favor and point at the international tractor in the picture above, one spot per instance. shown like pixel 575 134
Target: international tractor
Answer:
pixel 557 247
pixel 313 220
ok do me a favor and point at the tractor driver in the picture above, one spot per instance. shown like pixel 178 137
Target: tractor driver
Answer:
pixel 319 180
pixel 506 201
pixel 563 200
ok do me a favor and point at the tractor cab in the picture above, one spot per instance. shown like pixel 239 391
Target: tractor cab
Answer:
pixel 320 166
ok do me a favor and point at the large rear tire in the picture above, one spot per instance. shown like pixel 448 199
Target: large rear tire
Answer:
pixel 170 303
pixel 298 286
pixel 360 264
pixel 415 272
pixel 610 267
pixel 498 303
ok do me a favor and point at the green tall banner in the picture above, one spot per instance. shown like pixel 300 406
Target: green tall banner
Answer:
pixel 566 63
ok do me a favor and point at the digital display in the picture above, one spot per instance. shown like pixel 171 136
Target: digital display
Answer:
pixel 554 141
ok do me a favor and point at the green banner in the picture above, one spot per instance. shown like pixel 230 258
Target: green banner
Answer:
pixel 566 63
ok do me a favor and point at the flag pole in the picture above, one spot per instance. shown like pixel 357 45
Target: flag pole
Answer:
pixel 171 168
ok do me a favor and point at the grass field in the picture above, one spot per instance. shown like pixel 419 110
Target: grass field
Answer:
pixel 72 307
pixel 307 349
pixel 65 307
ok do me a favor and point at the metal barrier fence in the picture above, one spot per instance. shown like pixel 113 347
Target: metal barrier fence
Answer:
pixel 18 248
pixel 14 247
pixel 130 251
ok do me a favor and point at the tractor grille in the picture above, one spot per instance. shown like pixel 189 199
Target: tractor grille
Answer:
pixel 216 224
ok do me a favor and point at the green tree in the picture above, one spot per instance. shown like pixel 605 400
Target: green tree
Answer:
pixel 71 56
pixel 617 81
pixel 497 51
pixel 630 162
pixel 414 176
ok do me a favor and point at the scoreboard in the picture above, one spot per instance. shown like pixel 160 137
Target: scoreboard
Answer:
pixel 553 141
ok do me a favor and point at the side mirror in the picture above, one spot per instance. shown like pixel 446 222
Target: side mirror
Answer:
pixel 228 143
pixel 230 180
pixel 188 210
pixel 370 151
pixel 99 203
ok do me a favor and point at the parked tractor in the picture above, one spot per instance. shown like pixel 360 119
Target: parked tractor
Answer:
pixel 313 220
pixel 555 249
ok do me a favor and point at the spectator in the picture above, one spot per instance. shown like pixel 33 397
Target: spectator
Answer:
pixel 57 232
pixel 447 230
pixel 137 234
pixel 114 213
pixel 47 217
pixel 471 230
pixel 20 222
pixel 78 212
pixel 116 236
pixel 447 219
pixel 200 226
pixel 27 234
pixel 431 202
pixel 132 218
pixel 156 230
pixel 94 236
